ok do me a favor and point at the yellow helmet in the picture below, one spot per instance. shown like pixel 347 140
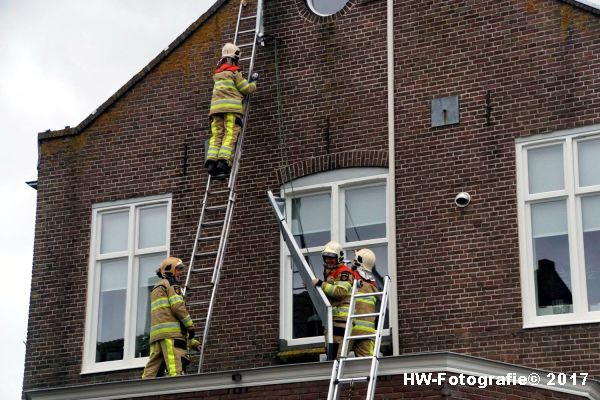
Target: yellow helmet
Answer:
pixel 333 249
pixel 168 266
pixel 231 50
pixel 365 258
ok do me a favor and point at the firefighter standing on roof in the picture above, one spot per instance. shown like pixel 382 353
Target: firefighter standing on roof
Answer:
pixel 364 261
pixel 227 110
pixel 337 287
pixel 171 324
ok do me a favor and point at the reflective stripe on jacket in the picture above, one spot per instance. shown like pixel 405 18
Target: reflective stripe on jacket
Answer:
pixel 168 315
pixel 339 292
pixel 229 91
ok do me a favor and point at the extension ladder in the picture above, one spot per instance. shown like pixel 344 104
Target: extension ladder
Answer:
pixel 337 374
pixel 214 225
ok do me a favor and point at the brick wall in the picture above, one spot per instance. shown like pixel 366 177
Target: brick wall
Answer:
pixel 458 272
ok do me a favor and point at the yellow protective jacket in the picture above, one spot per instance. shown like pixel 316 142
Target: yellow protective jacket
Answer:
pixel 168 316
pixel 364 305
pixel 338 289
pixel 229 90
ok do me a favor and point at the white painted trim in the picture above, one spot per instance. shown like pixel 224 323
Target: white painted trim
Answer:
pixel 132 205
pixel 572 195
pixel 311 372
pixel 337 191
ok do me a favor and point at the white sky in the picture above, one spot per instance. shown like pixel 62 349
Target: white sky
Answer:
pixel 60 60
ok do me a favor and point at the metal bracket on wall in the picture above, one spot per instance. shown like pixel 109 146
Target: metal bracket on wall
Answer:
pixel 444 111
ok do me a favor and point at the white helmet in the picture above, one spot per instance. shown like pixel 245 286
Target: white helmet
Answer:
pixel 333 249
pixel 232 51
pixel 365 259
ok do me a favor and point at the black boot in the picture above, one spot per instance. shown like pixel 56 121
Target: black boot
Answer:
pixel 223 168
pixel 211 167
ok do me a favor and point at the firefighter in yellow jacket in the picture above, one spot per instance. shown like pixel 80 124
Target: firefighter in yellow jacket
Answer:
pixel 170 323
pixel 364 261
pixel 337 287
pixel 226 110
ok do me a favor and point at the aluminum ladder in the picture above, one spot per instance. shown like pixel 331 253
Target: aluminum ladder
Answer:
pixel 337 373
pixel 214 224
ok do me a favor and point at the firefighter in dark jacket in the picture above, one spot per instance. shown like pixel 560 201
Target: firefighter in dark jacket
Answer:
pixel 337 286
pixel 226 110
pixel 170 324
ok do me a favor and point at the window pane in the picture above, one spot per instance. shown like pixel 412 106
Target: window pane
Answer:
pixel 327 7
pixel 153 227
pixel 589 167
pixel 365 213
pixel 591 245
pixel 115 229
pixel 551 257
pixel 305 320
pixel 146 280
pixel 545 167
pixel 111 310
pixel 311 220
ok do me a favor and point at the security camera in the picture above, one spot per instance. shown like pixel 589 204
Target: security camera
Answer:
pixel 462 199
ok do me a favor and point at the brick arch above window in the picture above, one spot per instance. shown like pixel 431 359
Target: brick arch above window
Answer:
pixel 328 162
pixel 308 14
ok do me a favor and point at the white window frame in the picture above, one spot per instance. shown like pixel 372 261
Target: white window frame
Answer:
pixel 337 190
pixel 572 193
pixel 89 364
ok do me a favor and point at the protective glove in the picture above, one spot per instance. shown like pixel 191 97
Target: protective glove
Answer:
pixel 191 333
pixel 254 77
pixel 194 344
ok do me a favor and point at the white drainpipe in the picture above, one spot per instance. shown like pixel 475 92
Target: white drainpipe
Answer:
pixel 392 176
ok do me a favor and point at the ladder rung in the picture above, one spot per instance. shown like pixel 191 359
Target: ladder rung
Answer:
pixel 247 31
pixel 208 238
pixel 245 45
pixel 245 58
pixel 216 208
pixel 204 269
pixel 368 294
pixel 206 254
pixel 375 314
pixel 362 336
pixel 208 286
pixel 213 223
pixel 196 303
pixel 249 17
pixel 357 358
pixel 221 191
pixel 357 379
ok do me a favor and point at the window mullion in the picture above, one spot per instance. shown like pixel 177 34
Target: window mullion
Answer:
pixel 336 222
pixel 129 304
pixel 575 234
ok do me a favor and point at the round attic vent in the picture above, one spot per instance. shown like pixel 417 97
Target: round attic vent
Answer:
pixel 326 7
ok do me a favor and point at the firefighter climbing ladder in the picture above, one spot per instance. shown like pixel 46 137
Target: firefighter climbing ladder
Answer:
pixel 337 374
pixel 219 197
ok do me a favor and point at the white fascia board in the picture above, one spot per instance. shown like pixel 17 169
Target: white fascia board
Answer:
pixel 452 363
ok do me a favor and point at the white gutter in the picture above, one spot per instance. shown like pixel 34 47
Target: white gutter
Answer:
pixel 392 177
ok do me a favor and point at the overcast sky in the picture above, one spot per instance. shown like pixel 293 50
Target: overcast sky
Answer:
pixel 59 60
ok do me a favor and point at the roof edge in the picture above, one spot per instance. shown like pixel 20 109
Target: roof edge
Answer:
pixel 49 134
pixel 447 362
pixel 584 5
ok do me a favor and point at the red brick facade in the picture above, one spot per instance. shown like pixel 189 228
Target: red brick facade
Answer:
pixel 458 271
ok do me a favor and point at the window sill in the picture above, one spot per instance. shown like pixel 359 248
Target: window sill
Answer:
pixel 110 366
pixel 549 321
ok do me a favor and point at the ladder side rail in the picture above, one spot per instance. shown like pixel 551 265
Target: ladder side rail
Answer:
pixel 376 347
pixel 333 381
pixel 348 330
pixel 215 279
pixel 260 29
pixel 239 19
pixel 198 230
